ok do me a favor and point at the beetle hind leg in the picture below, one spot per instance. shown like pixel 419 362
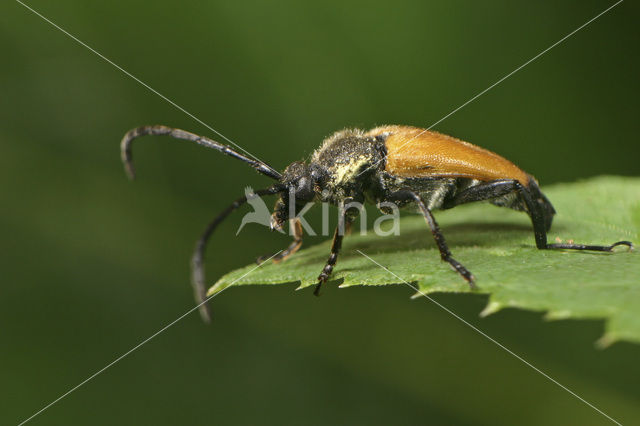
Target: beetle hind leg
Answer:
pixel 530 197
pixel 480 192
pixel 590 247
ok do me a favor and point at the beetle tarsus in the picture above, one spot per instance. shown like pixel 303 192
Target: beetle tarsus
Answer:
pixel 623 243
pixel 464 272
pixel 321 279
pixel 587 247
pixel 326 272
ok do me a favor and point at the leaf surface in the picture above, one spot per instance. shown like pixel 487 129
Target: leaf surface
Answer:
pixel 497 245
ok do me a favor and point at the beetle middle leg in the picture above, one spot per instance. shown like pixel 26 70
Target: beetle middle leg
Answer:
pixel 445 253
pixel 295 245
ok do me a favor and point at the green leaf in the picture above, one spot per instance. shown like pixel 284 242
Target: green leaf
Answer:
pixel 497 245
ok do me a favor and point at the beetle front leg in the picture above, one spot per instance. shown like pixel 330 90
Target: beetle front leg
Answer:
pixel 344 225
pixel 295 245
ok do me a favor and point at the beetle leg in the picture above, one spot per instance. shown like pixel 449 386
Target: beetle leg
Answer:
pixel 344 224
pixel 445 254
pixel 482 191
pixel 540 229
pixel 296 226
pixel 536 209
pixel 331 262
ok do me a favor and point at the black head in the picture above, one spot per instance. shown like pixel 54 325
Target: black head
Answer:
pixel 299 186
pixel 341 168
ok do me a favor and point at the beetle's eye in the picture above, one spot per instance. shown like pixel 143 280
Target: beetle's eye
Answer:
pixel 304 189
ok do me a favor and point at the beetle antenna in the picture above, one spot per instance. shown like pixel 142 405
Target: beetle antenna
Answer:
pixel 197 260
pixel 125 148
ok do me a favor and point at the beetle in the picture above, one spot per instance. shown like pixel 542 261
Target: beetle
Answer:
pixel 408 166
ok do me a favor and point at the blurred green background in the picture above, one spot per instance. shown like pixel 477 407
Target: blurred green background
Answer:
pixel 91 264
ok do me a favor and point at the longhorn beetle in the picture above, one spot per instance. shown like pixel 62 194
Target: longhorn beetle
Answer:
pixel 411 167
